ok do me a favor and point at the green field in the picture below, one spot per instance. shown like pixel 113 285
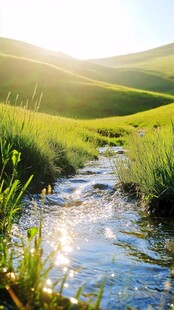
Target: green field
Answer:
pixel 60 145
pixel 66 87
pixel 152 69
pixel 83 107
pixel 86 104
pixel 58 85
pixel 161 116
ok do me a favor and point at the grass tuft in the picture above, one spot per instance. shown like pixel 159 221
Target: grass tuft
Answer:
pixel 11 189
pixel 50 146
pixel 149 169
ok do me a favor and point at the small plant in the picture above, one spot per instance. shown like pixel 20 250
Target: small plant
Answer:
pixel 11 189
pixel 26 284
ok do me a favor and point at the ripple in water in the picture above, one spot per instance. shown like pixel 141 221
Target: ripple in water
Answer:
pixel 98 233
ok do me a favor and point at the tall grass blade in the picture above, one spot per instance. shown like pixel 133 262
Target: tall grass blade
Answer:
pixel 99 297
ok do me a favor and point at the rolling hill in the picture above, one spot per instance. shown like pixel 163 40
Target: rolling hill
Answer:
pixel 151 70
pixel 73 88
pixel 156 64
pixel 153 59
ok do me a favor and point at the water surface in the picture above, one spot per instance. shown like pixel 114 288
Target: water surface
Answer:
pixel 100 232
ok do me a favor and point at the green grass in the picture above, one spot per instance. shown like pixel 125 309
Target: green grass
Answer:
pixel 50 146
pixel 11 189
pixel 135 60
pixel 52 142
pixel 120 126
pixel 140 78
pixel 60 145
pixel 149 169
pixel 151 70
pixel 25 282
pixel 68 87
pixel 149 65
pixel 24 271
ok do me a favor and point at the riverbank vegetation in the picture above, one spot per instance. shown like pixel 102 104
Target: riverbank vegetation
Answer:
pixel 50 146
pixel 148 170
pixel 11 190
pixel 24 269
pixel 42 143
pixel 36 148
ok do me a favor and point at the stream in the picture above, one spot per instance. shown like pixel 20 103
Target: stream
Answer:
pixel 100 233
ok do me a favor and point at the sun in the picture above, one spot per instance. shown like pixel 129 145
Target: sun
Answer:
pixel 82 29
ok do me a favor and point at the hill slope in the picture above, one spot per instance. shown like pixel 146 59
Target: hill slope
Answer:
pixel 138 59
pixel 156 65
pixel 66 93
pixel 127 70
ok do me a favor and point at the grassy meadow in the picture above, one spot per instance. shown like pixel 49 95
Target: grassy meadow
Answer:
pixel 150 70
pixel 66 94
pixel 124 126
pixel 157 60
pixel 50 145
pixel 55 112
pixel 39 147
pixel 77 89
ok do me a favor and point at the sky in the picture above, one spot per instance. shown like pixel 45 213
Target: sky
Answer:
pixel 87 29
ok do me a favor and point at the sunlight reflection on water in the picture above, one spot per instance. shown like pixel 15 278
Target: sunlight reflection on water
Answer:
pixel 96 232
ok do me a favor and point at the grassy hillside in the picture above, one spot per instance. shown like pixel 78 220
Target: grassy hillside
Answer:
pixel 136 59
pixel 51 146
pixel 69 94
pixel 152 69
pixel 61 145
pixel 134 78
pixel 119 127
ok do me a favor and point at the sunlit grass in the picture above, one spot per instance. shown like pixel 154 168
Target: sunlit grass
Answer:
pixel 149 139
pixel 25 273
pixel 69 94
pixel 53 146
pixel 148 170
pixel 147 120
pixel 11 189
pixel 50 146
pixel 158 61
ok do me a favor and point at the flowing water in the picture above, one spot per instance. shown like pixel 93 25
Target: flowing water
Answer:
pixel 100 233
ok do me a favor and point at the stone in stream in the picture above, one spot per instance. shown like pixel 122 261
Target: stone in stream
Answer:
pixel 102 186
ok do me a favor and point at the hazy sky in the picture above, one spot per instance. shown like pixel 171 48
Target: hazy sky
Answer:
pixel 89 28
